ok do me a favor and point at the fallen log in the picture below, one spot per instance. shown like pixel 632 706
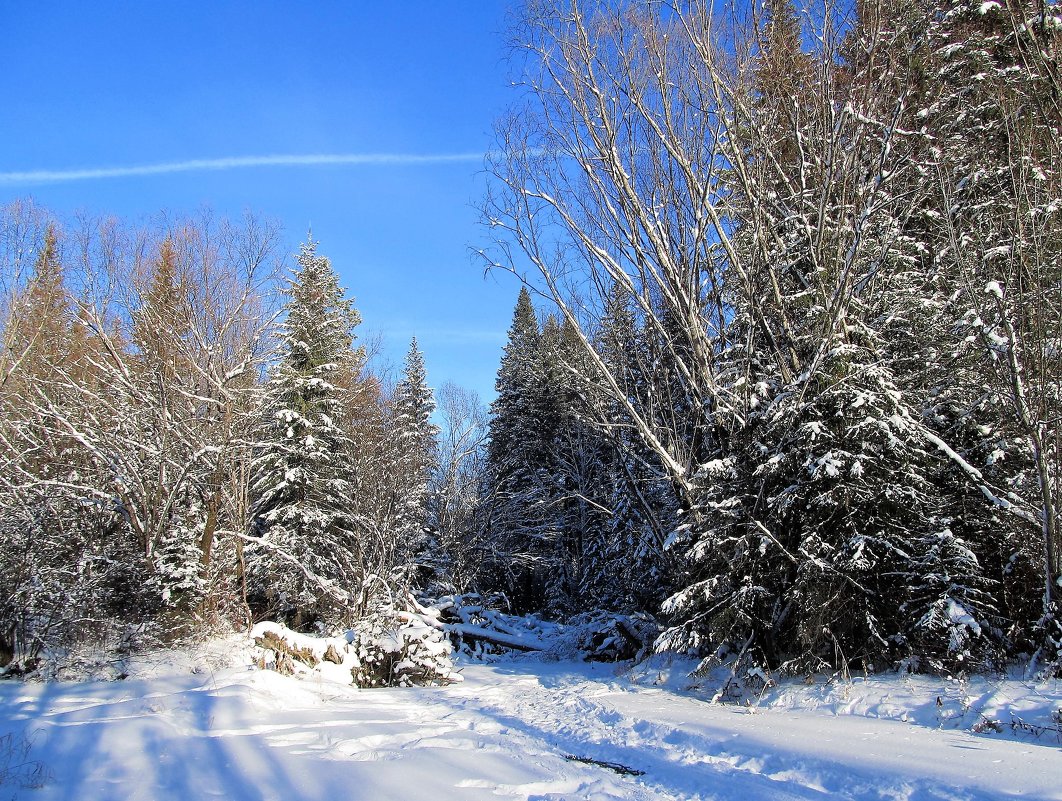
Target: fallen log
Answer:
pixel 472 632
pixel 430 616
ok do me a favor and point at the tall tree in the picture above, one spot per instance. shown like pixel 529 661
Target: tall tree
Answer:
pixel 306 562
pixel 416 441
pixel 991 103
pixel 45 527
pixel 640 501
pixel 516 499
pixel 163 382
pixel 749 200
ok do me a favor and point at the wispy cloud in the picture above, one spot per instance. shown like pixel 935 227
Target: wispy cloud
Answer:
pixel 235 163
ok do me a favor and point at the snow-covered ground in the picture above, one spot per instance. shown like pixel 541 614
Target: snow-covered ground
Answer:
pixel 511 730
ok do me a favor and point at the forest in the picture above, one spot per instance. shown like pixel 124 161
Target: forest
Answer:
pixel 783 378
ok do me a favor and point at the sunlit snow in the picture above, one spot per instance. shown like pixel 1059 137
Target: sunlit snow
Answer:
pixel 523 729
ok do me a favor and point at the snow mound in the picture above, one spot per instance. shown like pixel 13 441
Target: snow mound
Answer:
pixel 402 654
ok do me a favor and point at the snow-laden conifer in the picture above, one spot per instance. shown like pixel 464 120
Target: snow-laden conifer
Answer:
pixel 416 441
pixel 516 499
pixel 307 562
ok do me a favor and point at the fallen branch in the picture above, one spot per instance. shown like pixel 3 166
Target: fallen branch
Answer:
pixel 616 767
pixel 492 630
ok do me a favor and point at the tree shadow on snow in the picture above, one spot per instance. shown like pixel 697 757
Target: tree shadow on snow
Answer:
pixel 127 739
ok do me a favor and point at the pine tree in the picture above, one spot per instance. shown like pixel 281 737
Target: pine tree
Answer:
pixel 308 559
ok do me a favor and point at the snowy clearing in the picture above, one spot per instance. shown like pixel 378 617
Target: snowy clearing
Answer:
pixel 521 729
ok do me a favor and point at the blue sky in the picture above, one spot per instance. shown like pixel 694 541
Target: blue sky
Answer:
pixel 88 86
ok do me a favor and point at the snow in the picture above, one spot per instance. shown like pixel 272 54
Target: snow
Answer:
pixel 960 617
pixel 190 728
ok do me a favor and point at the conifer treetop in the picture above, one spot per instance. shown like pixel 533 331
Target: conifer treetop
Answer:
pixel 320 319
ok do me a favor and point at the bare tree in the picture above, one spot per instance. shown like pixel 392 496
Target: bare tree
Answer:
pixel 151 412
pixel 456 487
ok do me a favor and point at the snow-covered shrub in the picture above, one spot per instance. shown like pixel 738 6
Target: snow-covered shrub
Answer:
pixel 292 653
pixel 284 652
pixel 177 574
pixel 393 652
pixel 385 651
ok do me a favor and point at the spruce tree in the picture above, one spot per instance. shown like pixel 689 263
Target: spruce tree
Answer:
pixel 416 439
pixel 628 569
pixel 307 559
pixel 977 179
pixel 818 504
pixel 516 500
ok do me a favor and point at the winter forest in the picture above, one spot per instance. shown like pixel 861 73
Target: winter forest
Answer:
pixel 781 390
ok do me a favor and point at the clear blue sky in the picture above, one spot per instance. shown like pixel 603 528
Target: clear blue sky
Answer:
pixel 100 84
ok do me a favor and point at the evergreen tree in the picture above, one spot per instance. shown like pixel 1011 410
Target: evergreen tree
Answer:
pixel 975 81
pixel 820 504
pixel 992 106
pixel 516 499
pixel 308 558
pixel 566 547
pixel 632 574
pixel 572 475
pixel 417 445
pixel 160 320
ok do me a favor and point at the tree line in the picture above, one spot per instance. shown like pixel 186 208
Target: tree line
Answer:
pixel 806 262
pixel 191 437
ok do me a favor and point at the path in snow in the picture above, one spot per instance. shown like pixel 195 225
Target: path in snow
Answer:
pixel 504 733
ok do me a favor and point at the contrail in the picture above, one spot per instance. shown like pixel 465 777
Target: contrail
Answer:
pixel 233 163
